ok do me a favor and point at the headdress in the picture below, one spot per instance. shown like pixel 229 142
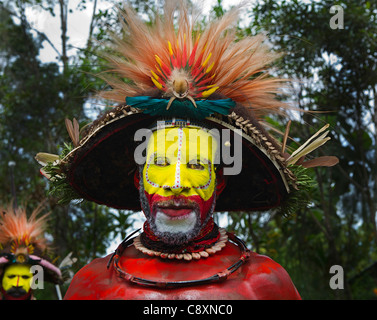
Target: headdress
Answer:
pixel 184 75
pixel 22 241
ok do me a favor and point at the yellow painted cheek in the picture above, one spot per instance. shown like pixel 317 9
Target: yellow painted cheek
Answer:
pixel 161 180
pixel 155 177
pixel 200 182
pixel 7 283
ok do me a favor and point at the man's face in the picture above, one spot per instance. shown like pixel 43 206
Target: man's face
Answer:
pixel 179 182
pixel 17 280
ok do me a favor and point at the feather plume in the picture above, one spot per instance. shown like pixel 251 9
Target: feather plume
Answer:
pixel 310 145
pixel 17 229
pixel 73 130
pixel 187 63
pixel 44 158
pixel 325 161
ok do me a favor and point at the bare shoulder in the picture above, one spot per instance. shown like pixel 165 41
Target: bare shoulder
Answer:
pixel 84 282
pixel 269 279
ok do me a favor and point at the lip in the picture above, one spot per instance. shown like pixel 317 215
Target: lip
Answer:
pixel 176 212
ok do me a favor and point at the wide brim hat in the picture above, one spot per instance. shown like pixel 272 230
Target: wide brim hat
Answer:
pixel 211 79
pixel 102 168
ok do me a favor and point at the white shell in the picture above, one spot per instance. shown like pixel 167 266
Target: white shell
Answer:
pixel 221 243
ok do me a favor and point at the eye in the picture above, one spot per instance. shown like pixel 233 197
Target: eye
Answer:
pixel 25 277
pixel 195 166
pixel 161 161
pixel 11 276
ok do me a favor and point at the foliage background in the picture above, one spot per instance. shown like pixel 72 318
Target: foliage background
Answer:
pixel 333 73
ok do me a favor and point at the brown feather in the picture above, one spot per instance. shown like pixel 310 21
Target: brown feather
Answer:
pixel 73 131
pixel 285 138
pixel 325 161
pixel 76 132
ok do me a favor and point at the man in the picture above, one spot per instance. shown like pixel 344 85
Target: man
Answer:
pixel 181 242
pixel 187 142
pixel 23 254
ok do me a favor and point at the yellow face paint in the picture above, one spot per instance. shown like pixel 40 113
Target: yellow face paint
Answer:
pixel 180 161
pixel 17 275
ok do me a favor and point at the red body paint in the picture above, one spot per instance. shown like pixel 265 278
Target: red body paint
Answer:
pixel 259 278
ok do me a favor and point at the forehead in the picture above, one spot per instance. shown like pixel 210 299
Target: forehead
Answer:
pixel 182 144
pixel 20 269
pixel 189 139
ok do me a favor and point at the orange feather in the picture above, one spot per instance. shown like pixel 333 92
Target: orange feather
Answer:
pixel 16 227
pixel 212 57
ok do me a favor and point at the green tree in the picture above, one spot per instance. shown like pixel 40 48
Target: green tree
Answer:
pixel 335 71
pixel 35 98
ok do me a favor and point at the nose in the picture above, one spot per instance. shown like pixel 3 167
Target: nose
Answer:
pixel 177 189
pixel 14 282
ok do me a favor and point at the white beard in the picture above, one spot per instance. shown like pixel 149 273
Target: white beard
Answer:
pixel 183 224
pixel 173 231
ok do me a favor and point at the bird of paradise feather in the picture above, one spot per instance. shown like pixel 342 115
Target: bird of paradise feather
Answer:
pixel 174 66
pixel 21 231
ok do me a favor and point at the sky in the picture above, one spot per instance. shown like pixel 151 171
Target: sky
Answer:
pixel 78 24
